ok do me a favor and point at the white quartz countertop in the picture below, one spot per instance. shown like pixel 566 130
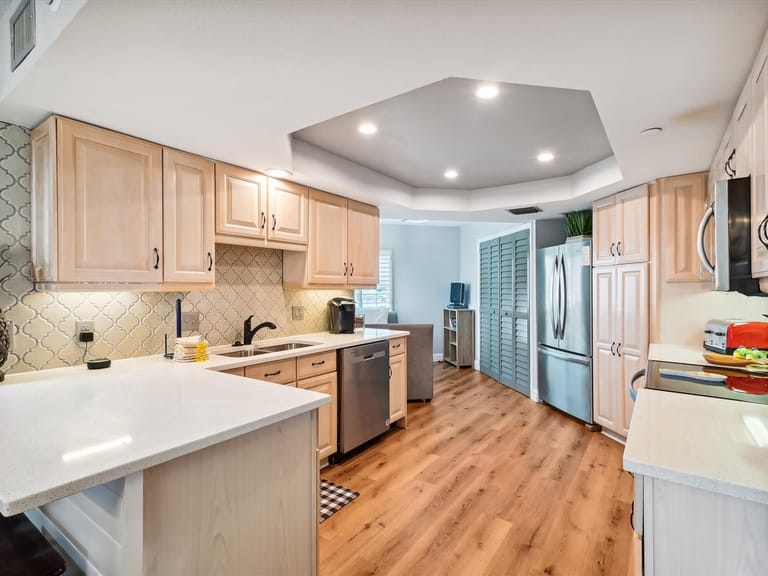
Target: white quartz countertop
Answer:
pixel 681 354
pixel 68 429
pixel 709 443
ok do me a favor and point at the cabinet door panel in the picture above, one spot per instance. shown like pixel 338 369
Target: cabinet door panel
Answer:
pixel 327 249
pixel 363 247
pixel 631 333
pixel 397 387
pixel 607 412
pixel 604 231
pixel 683 201
pixel 632 222
pixel 241 202
pixel 742 132
pixel 111 206
pixel 188 215
pixel 287 212
pixel 326 415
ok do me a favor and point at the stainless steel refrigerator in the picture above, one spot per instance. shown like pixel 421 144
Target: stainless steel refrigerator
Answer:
pixel 564 327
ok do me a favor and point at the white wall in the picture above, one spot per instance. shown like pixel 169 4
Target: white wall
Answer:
pixel 425 260
pixel 685 308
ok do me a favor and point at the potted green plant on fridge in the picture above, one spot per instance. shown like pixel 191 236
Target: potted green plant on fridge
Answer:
pixel 578 225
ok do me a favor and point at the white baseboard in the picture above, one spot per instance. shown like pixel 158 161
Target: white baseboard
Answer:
pixel 437 357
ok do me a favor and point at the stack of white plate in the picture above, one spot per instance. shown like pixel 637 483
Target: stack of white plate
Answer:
pixel 186 349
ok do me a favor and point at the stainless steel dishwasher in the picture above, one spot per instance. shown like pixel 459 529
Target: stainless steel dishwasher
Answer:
pixel 363 394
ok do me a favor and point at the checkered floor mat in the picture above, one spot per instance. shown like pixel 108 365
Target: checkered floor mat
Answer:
pixel 333 497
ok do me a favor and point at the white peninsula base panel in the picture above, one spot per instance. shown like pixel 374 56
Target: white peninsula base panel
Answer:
pixel 244 507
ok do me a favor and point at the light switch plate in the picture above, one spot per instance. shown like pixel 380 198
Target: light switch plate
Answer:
pixel 297 312
pixel 190 321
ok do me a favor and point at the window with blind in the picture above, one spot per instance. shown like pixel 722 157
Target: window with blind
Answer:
pixel 382 295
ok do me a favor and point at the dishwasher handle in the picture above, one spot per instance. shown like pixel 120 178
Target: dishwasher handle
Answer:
pixel 370 356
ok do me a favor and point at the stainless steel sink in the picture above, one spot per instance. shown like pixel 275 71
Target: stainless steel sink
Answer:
pixel 284 346
pixel 243 353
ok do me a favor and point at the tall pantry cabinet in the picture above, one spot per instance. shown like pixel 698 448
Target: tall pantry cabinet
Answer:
pixel 620 303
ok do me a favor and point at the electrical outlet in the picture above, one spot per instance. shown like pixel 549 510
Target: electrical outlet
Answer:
pixel 83 326
pixel 297 312
pixel 190 321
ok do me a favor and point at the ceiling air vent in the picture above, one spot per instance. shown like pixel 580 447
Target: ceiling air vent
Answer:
pixel 524 210
pixel 22 32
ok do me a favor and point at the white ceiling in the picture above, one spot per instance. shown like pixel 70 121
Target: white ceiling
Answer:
pixel 426 131
pixel 232 80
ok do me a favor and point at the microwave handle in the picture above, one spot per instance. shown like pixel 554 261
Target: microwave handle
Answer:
pixel 705 261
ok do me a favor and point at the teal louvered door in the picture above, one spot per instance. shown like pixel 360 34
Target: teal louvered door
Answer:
pixel 489 308
pixel 505 310
pixel 514 333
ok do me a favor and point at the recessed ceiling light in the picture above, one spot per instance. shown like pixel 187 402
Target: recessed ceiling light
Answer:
pixel 487 91
pixel 651 131
pixel 412 221
pixel 545 156
pixel 367 128
pixel 451 174
pixel 278 172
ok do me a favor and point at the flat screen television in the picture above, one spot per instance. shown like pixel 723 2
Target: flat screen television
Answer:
pixel 457 295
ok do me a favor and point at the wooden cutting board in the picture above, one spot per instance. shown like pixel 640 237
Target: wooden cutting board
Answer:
pixel 725 360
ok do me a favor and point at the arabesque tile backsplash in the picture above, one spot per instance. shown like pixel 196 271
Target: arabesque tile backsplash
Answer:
pixel 248 281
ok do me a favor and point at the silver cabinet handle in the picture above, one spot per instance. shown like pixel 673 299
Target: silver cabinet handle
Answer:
pixel 618 248
pixel 263 220
pixel 210 262
pixel 618 349
pixel 157 258
pixel 274 222
pixel 613 352
pixel 611 248
pixel 555 311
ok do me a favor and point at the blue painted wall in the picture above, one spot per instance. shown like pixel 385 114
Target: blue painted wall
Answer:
pixel 425 260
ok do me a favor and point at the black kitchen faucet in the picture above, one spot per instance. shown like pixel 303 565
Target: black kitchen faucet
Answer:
pixel 248 334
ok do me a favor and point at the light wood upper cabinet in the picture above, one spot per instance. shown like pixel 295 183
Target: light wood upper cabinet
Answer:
pixel 241 202
pixel 620 228
pixel 742 133
pixel 621 340
pixel 109 203
pixel 287 204
pixel 363 243
pixel 343 246
pixel 759 168
pixel 188 215
pixel 683 203
pixel 109 209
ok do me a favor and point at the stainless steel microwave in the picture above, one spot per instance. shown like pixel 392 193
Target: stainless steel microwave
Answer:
pixel 731 213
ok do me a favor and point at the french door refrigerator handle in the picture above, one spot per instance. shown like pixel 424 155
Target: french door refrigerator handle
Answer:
pixel 563 300
pixel 555 311
pixel 708 266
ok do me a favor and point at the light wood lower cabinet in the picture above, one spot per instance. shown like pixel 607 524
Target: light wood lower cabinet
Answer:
pixel 687 530
pixel 245 506
pixel 279 371
pixel 326 415
pixel 316 372
pixel 620 327
pixel 398 381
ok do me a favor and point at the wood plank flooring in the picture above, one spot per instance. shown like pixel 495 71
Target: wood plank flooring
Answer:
pixel 483 482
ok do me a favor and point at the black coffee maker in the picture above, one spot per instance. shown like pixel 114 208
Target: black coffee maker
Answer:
pixel 342 315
